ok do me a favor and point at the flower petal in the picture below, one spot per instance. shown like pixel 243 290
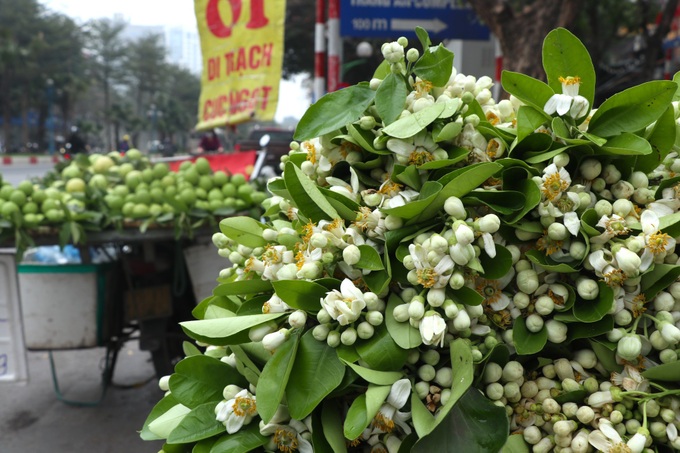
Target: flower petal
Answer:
pixel 599 441
pixel 649 221
pixel 572 222
pixel 399 393
pixel 609 431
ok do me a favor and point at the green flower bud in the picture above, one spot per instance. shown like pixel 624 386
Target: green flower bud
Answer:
pixel 351 254
pixel 557 331
pixel 323 317
pixel 426 372
pixel 494 391
pixel 320 332
pixel 393 222
pixel 348 336
pixel 422 389
pixel 444 377
pixel 333 339
pixel 603 207
pixel 532 435
pixel 587 288
pixel 416 309
pixel 367 123
pixel 558 232
pixel 401 312
pixel 220 240
pixel 534 323
pixel 163 383
pixel 430 357
pixel 629 347
pixel 511 391
pixel 512 371
pixel 412 55
pixel 374 318
pixel 297 319
pixel 668 356
pixel 590 169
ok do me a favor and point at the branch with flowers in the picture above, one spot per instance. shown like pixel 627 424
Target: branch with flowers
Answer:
pixel 439 271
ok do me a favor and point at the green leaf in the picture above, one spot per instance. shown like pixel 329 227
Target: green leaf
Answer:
pixel 435 66
pixel 531 91
pixel 515 444
pixel 163 425
pixel 307 196
pixel 424 39
pixel 274 377
pixel 423 420
pixel 538 257
pixel 589 330
pixel 660 277
pixel 474 425
pixel 161 407
pixel 632 109
pixel 594 310
pixel 497 267
pixel 627 144
pixel 244 230
pixel 448 132
pixel 376 377
pixel 390 98
pixel 370 259
pixel 332 427
pixel 200 379
pixel 528 120
pixel 404 334
pixel 246 439
pixel 197 425
pixel 661 138
pixel 532 196
pixel 527 342
pixel 606 356
pixel 224 331
pixel 502 201
pixel 666 372
pixel 241 287
pixel 347 209
pixel 428 194
pixel 333 111
pixel 301 294
pixel 564 55
pixel 364 139
pixel 317 372
pixel 457 184
pixel 381 352
pixel 363 409
pixel 410 125
pixel 465 295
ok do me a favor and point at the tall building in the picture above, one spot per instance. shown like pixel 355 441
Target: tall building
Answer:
pixel 182 45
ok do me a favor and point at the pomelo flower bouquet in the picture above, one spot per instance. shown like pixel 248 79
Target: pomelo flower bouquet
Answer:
pixel 438 271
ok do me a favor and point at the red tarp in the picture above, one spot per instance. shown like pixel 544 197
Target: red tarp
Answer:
pixel 241 162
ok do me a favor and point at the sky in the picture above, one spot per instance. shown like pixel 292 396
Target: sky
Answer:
pixel 292 98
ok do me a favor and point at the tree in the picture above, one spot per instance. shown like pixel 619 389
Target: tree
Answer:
pixel 145 70
pixel 106 53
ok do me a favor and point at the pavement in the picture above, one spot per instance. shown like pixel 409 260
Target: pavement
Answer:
pixel 34 420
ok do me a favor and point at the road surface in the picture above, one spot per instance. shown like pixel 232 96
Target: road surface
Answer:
pixel 19 171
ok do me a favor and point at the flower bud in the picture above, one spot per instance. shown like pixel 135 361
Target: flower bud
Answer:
pixel 512 371
pixel 668 356
pixel 412 55
pixel 494 391
pixel 587 288
pixel 521 300
pixel 365 330
pixel 351 254
pixel 333 339
pixel 230 391
pixel 628 262
pixel 163 383
pixel 586 358
pixel 557 331
pixel 422 389
pixel 492 372
pixel 629 347
pixel 623 317
pixel 426 372
pixel 297 319
pixel 401 312
pixel 590 169
pixel 462 321
pixel 534 323
pixel 564 427
pixel 320 332
pixel 348 336
pixel 454 207
pixel 220 240
pixel 457 280
pixel 622 189
pixel 375 318
pixel 444 377
pixel 669 332
pixel 374 83
pixel 611 174
pixel 603 208
pixel 270 235
pixel 558 232
pixel 511 391
pixel 544 305
pixel 273 340
pixel 436 297
pixel 527 281
pixel 490 223
pixel 416 309
pixel 257 333
pixel 445 395
pixel 664 301
pixel 393 222
pixel 532 435
pixel 229 360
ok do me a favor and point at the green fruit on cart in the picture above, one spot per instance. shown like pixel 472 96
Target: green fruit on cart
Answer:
pixel 229 202
pixel 134 154
pixel 120 190
pixel 160 170
pixel 102 164
pixel 170 191
pixel 26 187
pixel 140 211
pixel 215 204
pixel 71 171
pixel 169 180
pixel 39 196
pixel 54 215
pixel 238 179
pixel 205 182
pixel 143 197
pixel 187 196
pixel 18 197
pixel 184 166
pixel 30 207
pixel 32 220
pixel 203 204
pixel 240 204
pixel 155 210
pixel 115 155
pixel 191 176
pixel 49 204
pixel 245 190
pixel 201 193
pixel 202 165
pixel 125 168
pixel 133 179
pixel 157 194
pixel 9 209
pixel 229 190
pixel 6 191
pixel 148 175
pixel 75 185
pixel 128 208
pixel 54 193
pixel 98 182
pixel 258 197
pixel 220 178
pixel 114 202
pixel 215 194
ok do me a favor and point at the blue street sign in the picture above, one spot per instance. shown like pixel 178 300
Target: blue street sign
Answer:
pixel 443 19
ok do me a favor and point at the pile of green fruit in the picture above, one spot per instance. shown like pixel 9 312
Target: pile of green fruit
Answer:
pixel 100 192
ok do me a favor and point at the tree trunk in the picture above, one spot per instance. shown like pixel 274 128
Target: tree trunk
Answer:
pixel 519 31
pixel 24 120
pixel 107 125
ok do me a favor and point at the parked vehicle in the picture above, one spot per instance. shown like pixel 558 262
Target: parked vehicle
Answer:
pixel 277 145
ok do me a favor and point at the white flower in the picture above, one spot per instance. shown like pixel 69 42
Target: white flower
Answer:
pixel 345 305
pixel 554 182
pixel 275 305
pixel 432 328
pixel 569 101
pixel 613 225
pixel 273 340
pixel 236 412
pixel 415 150
pixel 428 276
pixel 389 413
pixel 656 242
pixel 630 379
pixel 606 439
pixel 288 437
pixel 629 262
pixel 350 190
pixel 400 199
pixel 393 52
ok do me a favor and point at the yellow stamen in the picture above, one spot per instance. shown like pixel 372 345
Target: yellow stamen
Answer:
pixel 614 278
pixel 571 80
pixel 492 118
pixel 285 440
pixel 423 87
pixel 249 264
pixel 244 405
pixel 270 255
pixel 548 245
pixel 419 157
pixel 427 277
pixel 354 443
pixel 620 448
pixel 299 260
pixel 553 186
pixel 311 152
pixel 492 148
pixel 638 307
pixel 390 188
pixel 307 231
pixel 490 290
pixel 363 218
pixel 383 423
pixel 657 242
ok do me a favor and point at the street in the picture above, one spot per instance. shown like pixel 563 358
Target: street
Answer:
pixel 20 171
pixel 32 419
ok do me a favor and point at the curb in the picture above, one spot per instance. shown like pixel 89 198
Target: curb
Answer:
pixel 29 160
